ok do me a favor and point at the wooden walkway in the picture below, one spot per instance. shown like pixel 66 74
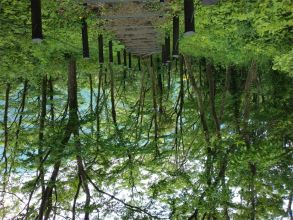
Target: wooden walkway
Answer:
pixel 133 23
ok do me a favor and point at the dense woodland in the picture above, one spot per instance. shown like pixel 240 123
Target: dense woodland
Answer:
pixel 205 135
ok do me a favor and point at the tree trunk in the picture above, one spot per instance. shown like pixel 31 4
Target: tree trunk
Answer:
pixel 112 88
pixel 253 195
pixel 51 92
pixel 155 106
pixel 43 113
pixel 5 148
pixel 91 103
pixel 72 122
pixel 160 90
pixel 98 107
pixel 179 111
pixel 75 198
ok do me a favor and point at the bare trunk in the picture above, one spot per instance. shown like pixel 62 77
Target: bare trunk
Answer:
pixel 43 113
pixel 75 199
pixel 91 102
pixel 253 195
pixel 112 88
pixel 51 92
pixel 140 103
pixel 98 107
pixel 179 111
pixel 160 90
pixel 5 128
pixel 5 149
pixel 155 106
pixel 169 77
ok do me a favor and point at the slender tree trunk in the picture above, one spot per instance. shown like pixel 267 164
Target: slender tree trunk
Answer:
pixel 5 126
pixel 51 92
pixel 141 103
pixel 5 149
pixel 82 174
pixel 112 88
pixel 91 102
pixel 80 165
pixel 43 113
pixel 253 195
pixel 179 111
pixel 56 201
pixel 98 107
pixel 160 90
pixel 155 106
pixel 75 198
pixel 289 209
pixel 81 171
pixel 169 79
pixel 124 77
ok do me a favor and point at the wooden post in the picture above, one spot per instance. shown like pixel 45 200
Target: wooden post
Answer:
pixel 101 49
pixel 85 41
pixel 175 52
pixel 189 17
pixel 36 18
pixel 110 51
pixel 118 57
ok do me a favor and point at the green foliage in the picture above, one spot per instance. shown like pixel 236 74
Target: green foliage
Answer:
pixel 237 32
pixel 174 167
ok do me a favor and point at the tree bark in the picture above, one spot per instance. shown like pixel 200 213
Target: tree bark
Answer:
pixel 5 148
pixel 112 88
pixel 179 111
pixel 91 102
pixel 51 92
pixel 5 126
pixel 75 199
pixel 43 113
pixel 98 107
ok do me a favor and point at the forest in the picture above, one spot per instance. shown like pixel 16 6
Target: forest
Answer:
pixel 146 109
